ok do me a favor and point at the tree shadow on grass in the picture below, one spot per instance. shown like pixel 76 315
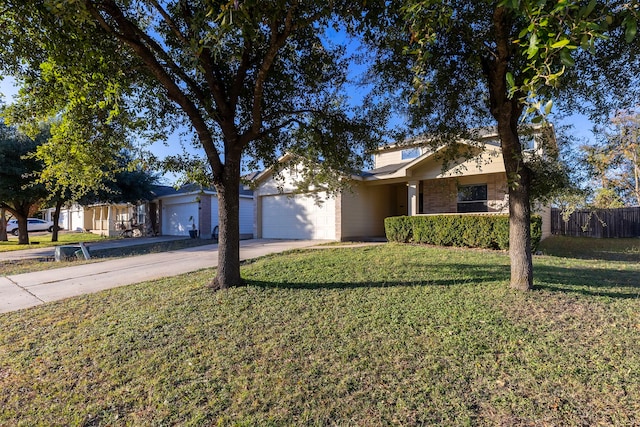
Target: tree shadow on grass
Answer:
pixel 624 284
pixel 622 250
pixel 350 285
pixel 599 255
pixel 444 275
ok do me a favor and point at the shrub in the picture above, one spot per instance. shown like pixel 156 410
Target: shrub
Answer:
pixel 536 232
pixel 500 233
pixel 474 231
pixel 398 229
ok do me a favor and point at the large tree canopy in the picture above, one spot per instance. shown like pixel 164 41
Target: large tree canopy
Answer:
pixel 249 77
pixel 506 63
pixel 131 183
pixel 20 192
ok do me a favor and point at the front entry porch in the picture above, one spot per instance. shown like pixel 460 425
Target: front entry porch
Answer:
pixel 472 194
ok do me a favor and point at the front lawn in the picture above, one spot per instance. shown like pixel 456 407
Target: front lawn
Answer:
pixel 589 248
pixel 383 335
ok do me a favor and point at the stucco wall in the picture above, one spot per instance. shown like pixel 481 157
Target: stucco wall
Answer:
pixel 361 211
pixel 285 182
pixel 545 213
pixel 394 156
pixel 485 162
pixel 385 158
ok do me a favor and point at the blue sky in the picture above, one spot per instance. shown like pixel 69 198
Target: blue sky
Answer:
pixel 7 89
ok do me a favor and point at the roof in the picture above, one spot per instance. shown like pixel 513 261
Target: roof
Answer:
pixel 251 176
pixel 387 171
pixel 162 191
pixel 384 170
pixel 485 133
pixel 488 135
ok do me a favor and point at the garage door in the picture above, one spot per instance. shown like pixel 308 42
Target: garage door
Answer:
pixel 175 218
pixel 298 217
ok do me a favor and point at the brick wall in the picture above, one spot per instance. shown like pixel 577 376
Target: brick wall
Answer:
pixel 441 195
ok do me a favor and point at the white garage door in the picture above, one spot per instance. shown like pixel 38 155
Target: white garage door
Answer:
pixel 175 218
pixel 298 217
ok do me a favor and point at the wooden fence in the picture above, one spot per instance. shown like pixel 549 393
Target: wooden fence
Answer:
pixel 622 222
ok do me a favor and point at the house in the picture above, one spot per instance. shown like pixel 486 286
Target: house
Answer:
pixel 407 179
pixel 171 212
pixel 107 219
pixel 179 210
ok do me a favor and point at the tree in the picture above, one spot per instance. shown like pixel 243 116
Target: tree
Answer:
pixel 3 225
pixel 598 161
pixel 615 161
pixel 71 164
pixel 19 192
pixel 130 184
pixel 72 171
pixel 506 63
pixel 249 77
pixel 607 198
pixel 126 182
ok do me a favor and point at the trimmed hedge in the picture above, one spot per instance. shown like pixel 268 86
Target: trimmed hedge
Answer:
pixel 473 231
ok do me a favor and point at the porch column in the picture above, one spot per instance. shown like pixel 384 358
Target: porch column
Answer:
pixel 109 216
pixel 412 194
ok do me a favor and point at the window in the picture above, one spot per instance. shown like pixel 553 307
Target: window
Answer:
pixel 410 153
pixel 142 214
pixel 472 198
pixel 528 142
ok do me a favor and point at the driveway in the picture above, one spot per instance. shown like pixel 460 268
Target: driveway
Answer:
pixel 32 289
pixel 48 251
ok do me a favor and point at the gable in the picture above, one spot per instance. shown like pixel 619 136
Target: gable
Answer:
pixel 386 157
pixel 483 162
pixel 430 165
pixel 283 182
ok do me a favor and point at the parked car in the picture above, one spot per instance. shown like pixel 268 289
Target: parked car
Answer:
pixel 33 224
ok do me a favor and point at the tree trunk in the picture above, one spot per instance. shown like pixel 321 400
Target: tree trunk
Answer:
pixel 3 226
pixel 229 226
pixel 507 111
pixel 519 179
pixel 20 211
pixel 56 220
pixel 23 234
pixel 520 235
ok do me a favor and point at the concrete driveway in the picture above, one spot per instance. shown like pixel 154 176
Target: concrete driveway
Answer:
pixel 31 289
pixel 35 252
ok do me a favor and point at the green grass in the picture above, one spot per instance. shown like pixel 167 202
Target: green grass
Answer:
pixel 384 335
pixel 590 248
pixel 44 240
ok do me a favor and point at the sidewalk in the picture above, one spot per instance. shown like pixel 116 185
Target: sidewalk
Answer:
pixel 32 289
pixel 48 252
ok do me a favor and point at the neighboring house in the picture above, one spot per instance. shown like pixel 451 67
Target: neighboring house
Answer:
pixel 407 179
pixel 101 218
pixel 179 209
pixel 171 213
pixel 71 218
